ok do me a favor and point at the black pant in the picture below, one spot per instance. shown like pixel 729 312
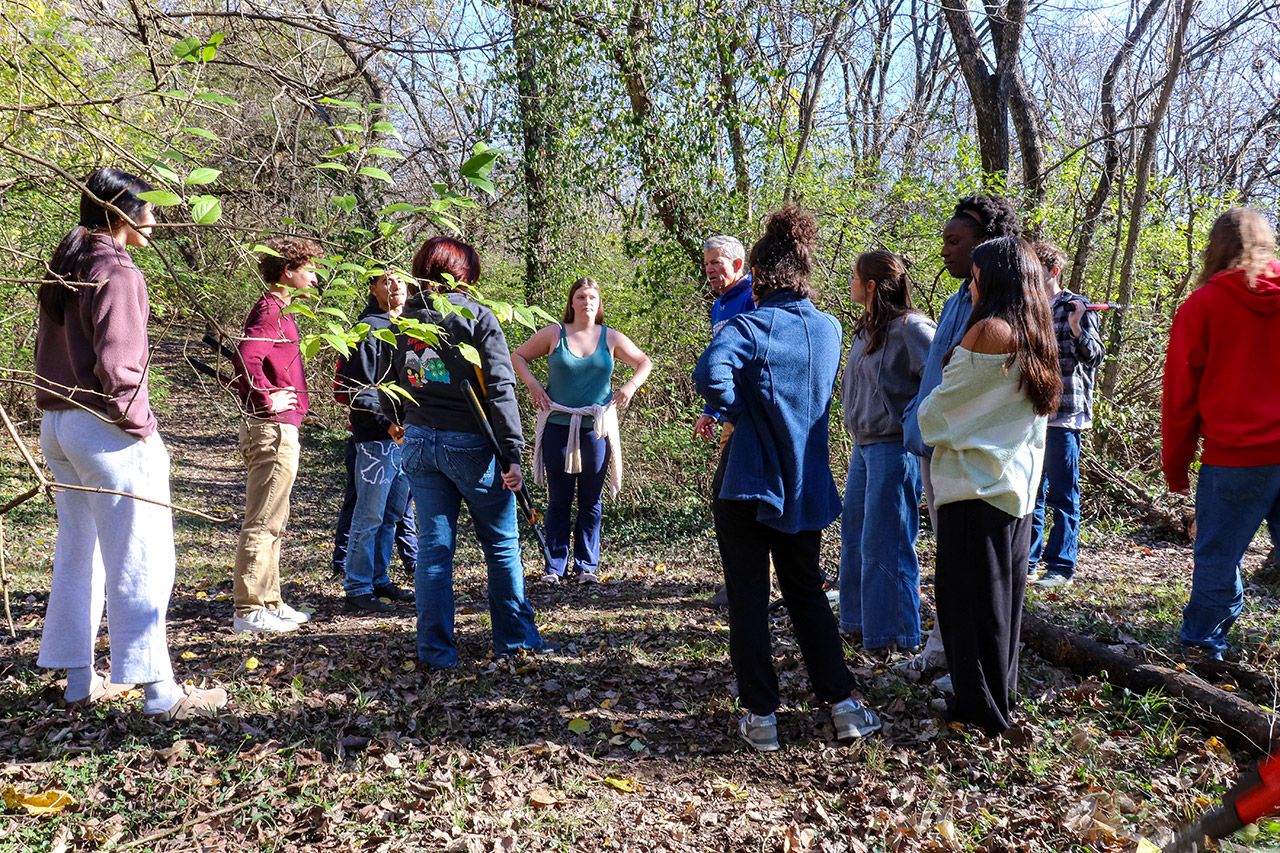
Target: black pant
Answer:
pixel 745 546
pixel 979 584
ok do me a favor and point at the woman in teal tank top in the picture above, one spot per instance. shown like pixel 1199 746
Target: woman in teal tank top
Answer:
pixel 580 355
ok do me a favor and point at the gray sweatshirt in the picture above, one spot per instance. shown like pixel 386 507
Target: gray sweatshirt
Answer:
pixel 877 388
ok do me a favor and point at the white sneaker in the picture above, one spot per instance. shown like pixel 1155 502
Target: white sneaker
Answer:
pixel 288 614
pixel 262 621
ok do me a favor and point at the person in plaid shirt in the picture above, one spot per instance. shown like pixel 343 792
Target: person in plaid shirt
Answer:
pixel 1080 352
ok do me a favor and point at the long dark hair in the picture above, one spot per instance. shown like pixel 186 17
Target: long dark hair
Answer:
pixel 782 259
pixel 1011 288
pixel 890 299
pixel 110 185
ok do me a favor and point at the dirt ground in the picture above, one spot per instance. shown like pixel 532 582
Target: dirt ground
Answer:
pixel 336 740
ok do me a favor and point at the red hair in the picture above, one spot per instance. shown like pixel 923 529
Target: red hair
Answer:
pixel 444 255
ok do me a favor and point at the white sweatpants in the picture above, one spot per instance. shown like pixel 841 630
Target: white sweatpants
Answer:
pixel 109 547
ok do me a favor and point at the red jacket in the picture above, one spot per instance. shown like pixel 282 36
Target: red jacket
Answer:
pixel 1222 376
pixel 270 360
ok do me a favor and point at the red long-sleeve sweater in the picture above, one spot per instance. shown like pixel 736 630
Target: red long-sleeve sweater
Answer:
pixel 1222 376
pixel 270 360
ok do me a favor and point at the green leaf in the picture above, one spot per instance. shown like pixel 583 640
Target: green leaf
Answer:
pixel 201 132
pixel 217 98
pixel 479 165
pixel 345 202
pixel 337 167
pixel 481 183
pixel 384 335
pixel 348 104
pixel 375 172
pixel 385 152
pixel 334 312
pixel 469 352
pixel 579 726
pixel 203 176
pixel 161 198
pixel 385 127
pixel 163 171
pixel 259 249
pixel 398 207
pixel 187 48
pixel 340 150
pixel 349 128
pixel 310 347
pixel 338 343
pixel 206 209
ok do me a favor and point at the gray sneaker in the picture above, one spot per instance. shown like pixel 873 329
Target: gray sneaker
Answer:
pixel 760 732
pixel 720 599
pixel 852 720
pixel 1052 580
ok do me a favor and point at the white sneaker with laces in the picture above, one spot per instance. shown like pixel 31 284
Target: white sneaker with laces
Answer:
pixel 287 613
pixel 262 621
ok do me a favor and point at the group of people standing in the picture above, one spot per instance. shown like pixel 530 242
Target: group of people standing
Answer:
pixel 979 413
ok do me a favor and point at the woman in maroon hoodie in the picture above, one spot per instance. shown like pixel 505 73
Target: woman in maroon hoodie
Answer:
pixel 1222 384
pixel 98 433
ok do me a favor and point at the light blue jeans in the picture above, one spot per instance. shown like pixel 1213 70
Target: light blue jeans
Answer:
pixel 445 469
pixel 109 548
pixel 380 483
pixel 1231 504
pixel 879 572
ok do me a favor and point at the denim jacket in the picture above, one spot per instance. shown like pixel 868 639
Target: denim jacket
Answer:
pixel 771 372
pixel 952 323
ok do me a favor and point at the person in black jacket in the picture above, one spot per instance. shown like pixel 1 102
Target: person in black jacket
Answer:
pixel 447 457
pixel 380 482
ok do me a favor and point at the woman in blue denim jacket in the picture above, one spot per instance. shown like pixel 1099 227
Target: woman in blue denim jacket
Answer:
pixel 770 373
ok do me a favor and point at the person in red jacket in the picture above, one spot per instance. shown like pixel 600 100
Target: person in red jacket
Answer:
pixel 1222 385
pixel 273 394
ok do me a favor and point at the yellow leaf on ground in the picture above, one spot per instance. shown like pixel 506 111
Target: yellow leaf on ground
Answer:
pixel 947 830
pixel 1145 846
pixel 408 666
pixel 579 726
pixel 542 798
pixel 251 664
pixel 187 655
pixel 46 802
pixel 625 785
pixel 1217 749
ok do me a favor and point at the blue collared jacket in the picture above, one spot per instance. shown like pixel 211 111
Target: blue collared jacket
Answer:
pixel 771 372
pixel 952 323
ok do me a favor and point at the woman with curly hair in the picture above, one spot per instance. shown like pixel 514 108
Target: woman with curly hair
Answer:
pixel 1222 383
pixel 770 373
pixel 986 423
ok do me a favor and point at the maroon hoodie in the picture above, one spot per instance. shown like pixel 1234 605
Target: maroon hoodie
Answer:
pixel 270 360
pixel 98 355
pixel 1222 376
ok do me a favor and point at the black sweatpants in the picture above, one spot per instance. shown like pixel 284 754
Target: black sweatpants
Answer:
pixel 745 547
pixel 980 582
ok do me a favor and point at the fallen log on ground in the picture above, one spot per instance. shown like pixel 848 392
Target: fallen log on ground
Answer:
pixel 1234 720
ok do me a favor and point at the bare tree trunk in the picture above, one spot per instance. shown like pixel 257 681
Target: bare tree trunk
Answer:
pixel 1142 177
pixel 536 159
pixel 726 47
pixel 809 98
pixel 1111 146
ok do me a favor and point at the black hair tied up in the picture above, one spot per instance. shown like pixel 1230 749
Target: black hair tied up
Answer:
pixel 118 188
pixel 991 215
pixel 782 259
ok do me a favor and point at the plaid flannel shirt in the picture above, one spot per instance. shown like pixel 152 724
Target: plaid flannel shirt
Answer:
pixel 1078 358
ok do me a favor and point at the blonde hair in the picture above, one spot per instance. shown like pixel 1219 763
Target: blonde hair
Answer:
pixel 1239 239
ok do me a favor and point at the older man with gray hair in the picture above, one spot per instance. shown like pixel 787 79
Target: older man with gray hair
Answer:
pixel 724 262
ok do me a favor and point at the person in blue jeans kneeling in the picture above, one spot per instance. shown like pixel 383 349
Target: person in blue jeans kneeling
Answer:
pixel 1222 384
pixel 1080 352
pixel 382 490
pixel 447 457
pixel 879 572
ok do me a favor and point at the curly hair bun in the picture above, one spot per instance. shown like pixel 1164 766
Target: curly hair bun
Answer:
pixel 792 224
pixel 994 215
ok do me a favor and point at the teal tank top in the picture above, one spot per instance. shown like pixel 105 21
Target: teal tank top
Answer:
pixel 577 382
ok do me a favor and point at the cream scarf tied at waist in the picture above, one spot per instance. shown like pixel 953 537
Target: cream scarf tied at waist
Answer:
pixel 606 427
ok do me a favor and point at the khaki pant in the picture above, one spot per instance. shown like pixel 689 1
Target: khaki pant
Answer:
pixel 270 451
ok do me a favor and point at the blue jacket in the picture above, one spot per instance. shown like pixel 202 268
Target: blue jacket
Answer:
pixel 952 323
pixel 771 372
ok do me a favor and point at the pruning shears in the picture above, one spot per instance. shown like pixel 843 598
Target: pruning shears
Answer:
pixel 532 516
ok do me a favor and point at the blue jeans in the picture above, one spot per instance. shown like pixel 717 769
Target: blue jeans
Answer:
pixel 1231 504
pixel 406 526
pixel 879 572
pixel 444 469
pixel 560 488
pixel 380 486
pixel 1060 489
